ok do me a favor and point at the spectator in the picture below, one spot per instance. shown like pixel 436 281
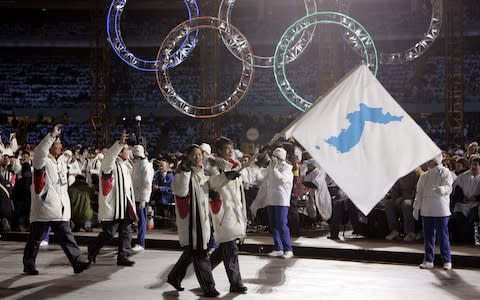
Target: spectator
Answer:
pixel 81 196
pixel 467 199
pixel 22 199
pixel 402 196
pixel 162 195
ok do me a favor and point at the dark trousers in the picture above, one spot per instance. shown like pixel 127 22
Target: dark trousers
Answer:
pixel 109 229
pixel 201 264
pixel 64 236
pixel 228 253
pixel 142 224
pixel 436 228
pixel 461 226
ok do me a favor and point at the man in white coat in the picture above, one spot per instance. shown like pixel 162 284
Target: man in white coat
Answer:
pixel 191 189
pixel 142 186
pixel 50 204
pixel 315 180
pixel 116 203
pixel 228 211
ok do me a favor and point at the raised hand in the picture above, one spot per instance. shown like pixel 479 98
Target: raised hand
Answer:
pixel 57 129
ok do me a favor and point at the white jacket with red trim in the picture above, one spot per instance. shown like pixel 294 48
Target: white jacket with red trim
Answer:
pixel 229 213
pixel 185 203
pixel 50 200
pixel 116 199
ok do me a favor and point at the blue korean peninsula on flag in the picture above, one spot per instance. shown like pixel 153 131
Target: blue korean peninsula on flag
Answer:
pixel 362 138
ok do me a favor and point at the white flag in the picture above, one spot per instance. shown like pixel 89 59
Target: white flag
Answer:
pixel 362 138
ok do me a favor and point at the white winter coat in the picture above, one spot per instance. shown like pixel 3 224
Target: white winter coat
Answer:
pixel 276 187
pixel 142 179
pixel 49 190
pixel 322 198
pixel 229 216
pixel 470 185
pixel 186 201
pixel 433 192
pixel 116 198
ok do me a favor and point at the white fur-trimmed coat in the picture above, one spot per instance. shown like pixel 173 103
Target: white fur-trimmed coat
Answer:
pixel 116 199
pixel 50 200
pixel 187 200
pixel 229 215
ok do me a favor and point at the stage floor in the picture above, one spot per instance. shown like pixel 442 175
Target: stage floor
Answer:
pixel 311 244
pixel 266 278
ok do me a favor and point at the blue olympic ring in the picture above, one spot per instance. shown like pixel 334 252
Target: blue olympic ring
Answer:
pixel 120 49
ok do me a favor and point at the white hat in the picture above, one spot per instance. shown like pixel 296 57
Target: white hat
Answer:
pixel 459 152
pixel 237 153
pixel 206 148
pixel 8 152
pixel 100 156
pixel 280 153
pixel 68 153
pixel 312 162
pixel 138 151
pixel 438 159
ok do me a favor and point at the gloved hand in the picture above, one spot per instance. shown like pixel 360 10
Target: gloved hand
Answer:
pixel 262 160
pixel 231 175
pixel 309 184
pixel 142 204
pixel 416 213
pixel 186 165
pixel 213 195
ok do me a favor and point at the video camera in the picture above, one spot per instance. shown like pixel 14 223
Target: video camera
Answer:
pixel 132 125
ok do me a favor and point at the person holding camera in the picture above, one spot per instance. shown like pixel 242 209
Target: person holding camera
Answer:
pixel 228 211
pixel 191 190
pixel 116 203
pixel 51 205
pixel 274 193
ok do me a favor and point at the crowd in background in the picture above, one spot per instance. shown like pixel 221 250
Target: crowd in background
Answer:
pixel 391 218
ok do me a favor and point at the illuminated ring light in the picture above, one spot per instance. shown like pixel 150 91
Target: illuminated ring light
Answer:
pixel 237 42
pixel 359 33
pixel 418 49
pixel 114 36
pixel 225 13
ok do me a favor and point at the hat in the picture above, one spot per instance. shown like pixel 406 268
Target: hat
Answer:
pixel 100 156
pixel 237 153
pixel 280 153
pixel 8 152
pixel 459 152
pixel 138 151
pixel 438 159
pixel 312 162
pixel 206 148
pixel 68 153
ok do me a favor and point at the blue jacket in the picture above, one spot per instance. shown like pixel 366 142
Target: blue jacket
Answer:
pixel 162 188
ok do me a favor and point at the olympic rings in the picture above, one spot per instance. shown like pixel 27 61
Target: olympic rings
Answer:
pixel 359 33
pixel 419 48
pixel 237 42
pixel 114 36
pixel 225 13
